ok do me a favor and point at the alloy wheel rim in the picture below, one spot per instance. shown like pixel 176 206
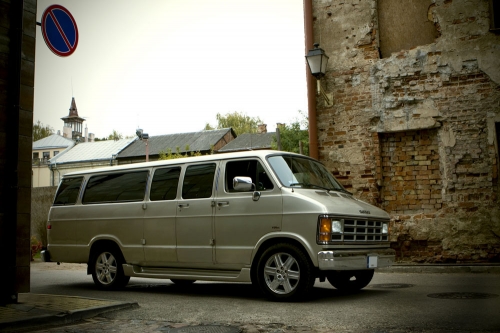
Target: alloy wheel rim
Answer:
pixel 106 268
pixel 282 273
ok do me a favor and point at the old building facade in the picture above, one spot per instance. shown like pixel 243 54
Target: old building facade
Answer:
pixel 413 125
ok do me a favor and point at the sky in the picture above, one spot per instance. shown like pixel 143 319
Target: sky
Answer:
pixel 169 66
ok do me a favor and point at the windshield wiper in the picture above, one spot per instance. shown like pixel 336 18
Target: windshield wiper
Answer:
pixel 312 185
pixel 341 190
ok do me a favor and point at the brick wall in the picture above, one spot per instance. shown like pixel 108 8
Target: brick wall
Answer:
pixel 414 132
pixel 410 171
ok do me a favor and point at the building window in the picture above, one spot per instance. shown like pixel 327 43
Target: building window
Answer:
pixel 36 156
pixel 404 25
pixel 56 152
pixel 46 155
pixel 495 15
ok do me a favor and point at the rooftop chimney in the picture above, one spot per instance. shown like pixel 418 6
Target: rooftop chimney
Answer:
pixel 262 128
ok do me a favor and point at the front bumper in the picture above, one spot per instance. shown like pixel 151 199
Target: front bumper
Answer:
pixel 357 259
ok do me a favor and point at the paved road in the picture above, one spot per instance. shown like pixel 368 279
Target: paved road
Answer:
pixel 393 302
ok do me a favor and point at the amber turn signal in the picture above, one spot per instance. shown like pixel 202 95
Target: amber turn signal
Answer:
pixel 325 229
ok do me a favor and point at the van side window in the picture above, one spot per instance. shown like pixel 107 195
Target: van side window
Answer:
pixel 116 187
pixel 198 181
pixel 248 168
pixel 68 190
pixel 164 185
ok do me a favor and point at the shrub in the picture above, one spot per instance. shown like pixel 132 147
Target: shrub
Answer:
pixel 36 246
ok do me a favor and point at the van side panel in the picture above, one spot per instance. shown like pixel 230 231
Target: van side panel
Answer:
pixel 122 222
pixel 240 218
pixel 62 234
pixel 159 233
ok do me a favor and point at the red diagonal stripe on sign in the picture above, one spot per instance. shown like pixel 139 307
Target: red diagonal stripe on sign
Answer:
pixel 68 44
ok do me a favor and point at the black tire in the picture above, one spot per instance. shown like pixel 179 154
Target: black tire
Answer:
pixel 350 281
pixel 181 282
pixel 285 273
pixel 107 269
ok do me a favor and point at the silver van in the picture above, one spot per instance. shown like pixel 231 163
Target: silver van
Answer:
pixel 276 219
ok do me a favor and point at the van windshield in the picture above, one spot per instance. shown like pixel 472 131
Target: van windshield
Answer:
pixel 294 171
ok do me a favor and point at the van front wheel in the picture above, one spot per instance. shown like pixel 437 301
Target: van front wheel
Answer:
pixel 284 273
pixel 107 270
pixel 350 281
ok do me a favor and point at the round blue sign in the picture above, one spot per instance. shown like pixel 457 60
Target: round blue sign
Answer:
pixel 59 30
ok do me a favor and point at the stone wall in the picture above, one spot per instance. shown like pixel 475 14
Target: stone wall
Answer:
pixel 41 200
pixel 414 132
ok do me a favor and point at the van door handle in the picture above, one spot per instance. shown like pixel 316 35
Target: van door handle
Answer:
pixel 223 203
pixel 183 205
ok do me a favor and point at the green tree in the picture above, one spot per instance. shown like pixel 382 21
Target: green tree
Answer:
pixel 41 131
pixel 115 135
pixel 291 135
pixel 239 122
pixel 208 127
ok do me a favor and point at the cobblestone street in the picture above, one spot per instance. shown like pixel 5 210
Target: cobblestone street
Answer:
pixel 101 325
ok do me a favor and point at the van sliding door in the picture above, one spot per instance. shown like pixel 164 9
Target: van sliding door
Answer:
pixel 195 209
pixel 159 218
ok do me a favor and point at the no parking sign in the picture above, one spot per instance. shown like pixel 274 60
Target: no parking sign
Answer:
pixel 59 30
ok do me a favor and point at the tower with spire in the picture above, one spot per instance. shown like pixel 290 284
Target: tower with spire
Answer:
pixel 73 124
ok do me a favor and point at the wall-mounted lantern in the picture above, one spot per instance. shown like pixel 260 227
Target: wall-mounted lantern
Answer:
pixel 317 61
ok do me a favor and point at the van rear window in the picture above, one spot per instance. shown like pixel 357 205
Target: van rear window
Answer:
pixel 116 187
pixel 165 183
pixel 68 190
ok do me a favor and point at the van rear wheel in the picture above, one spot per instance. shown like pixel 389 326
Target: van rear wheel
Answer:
pixel 107 269
pixel 350 281
pixel 284 273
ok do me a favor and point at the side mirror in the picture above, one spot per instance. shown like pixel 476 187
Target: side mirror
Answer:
pixel 242 184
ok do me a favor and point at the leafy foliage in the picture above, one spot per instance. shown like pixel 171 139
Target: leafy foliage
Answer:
pixel 239 122
pixel 36 246
pixel 115 135
pixel 41 131
pixel 162 155
pixel 291 135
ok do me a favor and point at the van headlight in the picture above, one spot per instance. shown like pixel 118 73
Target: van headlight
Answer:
pixel 327 227
pixel 337 226
pixel 385 228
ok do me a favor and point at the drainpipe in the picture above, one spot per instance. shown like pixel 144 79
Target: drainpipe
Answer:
pixel 53 175
pixel 311 87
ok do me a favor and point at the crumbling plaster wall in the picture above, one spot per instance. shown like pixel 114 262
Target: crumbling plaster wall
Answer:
pixel 451 86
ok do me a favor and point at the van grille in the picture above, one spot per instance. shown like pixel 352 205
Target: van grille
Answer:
pixel 360 231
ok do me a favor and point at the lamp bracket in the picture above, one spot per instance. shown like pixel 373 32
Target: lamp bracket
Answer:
pixel 327 97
